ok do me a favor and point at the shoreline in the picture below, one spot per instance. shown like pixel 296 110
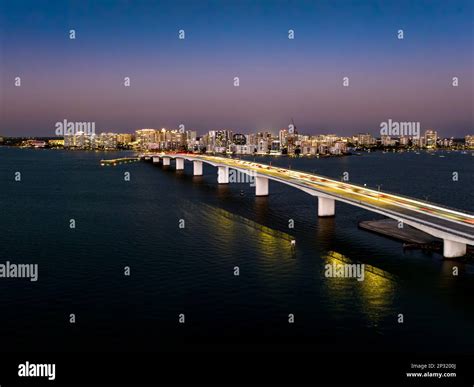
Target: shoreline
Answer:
pixel 359 152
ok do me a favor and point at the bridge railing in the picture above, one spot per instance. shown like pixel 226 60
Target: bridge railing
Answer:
pixel 444 206
pixel 464 211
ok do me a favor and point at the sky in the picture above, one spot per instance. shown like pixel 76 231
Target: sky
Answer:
pixel 191 81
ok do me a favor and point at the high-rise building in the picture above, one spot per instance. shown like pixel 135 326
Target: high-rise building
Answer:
pixel 107 141
pixel 222 138
pixel 446 142
pixel 146 137
pixel 338 148
pixel 79 140
pixel 219 140
pixel 431 138
pixel 418 141
pixel 364 139
pixel 262 146
pixel 404 140
pixel 124 138
pixel 191 137
pixel 283 137
pixel 239 139
pixel 469 141
pixel 244 149
pixel 173 139
pixel 385 140
pixel 275 147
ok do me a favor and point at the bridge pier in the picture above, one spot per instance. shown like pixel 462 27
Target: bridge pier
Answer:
pixel 156 159
pixel 222 175
pixel 453 249
pixel 197 168
pixel 166 161
pixel 261 186
pixel 326 207
pixel 179 164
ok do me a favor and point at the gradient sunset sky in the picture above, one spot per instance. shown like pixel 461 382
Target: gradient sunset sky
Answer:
pixel 191 81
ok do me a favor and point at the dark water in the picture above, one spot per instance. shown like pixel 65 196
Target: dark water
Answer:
pixel 190 270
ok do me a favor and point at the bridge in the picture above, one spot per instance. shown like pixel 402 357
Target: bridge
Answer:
pixel 454 227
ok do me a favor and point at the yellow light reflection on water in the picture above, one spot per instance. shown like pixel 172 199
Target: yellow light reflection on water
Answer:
pixel 373 295
pixel 231 230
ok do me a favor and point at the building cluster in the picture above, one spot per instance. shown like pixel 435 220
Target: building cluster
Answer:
pixel 287 141
pixel 429 140
pixel 469 141
pixel 226 141
pixel 102 141
pixel 153 139
pixel 215 141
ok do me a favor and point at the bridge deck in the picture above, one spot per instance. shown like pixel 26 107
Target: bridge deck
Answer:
pixel 456 221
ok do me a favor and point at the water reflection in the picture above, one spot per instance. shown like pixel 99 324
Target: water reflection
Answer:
pixel 373 296
pixel 326 229
pixel 222 190
pixel 261 209
pixel 270 243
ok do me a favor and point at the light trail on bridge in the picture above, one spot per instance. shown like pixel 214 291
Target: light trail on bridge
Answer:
pixel 454 227
pixel 328 185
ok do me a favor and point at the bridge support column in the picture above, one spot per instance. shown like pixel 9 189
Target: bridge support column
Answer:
pixel 453 249
pixel 197 168
pixel 166 161
pixel 156 159
pixel 326 207
pixel 223 175
pixel 261 186
pixel 179 164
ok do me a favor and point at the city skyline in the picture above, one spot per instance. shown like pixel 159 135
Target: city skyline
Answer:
pixel 190 81
pixel 286 142
pixel 274 131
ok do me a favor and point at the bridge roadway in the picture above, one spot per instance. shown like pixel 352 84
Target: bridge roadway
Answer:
pixel 455 227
